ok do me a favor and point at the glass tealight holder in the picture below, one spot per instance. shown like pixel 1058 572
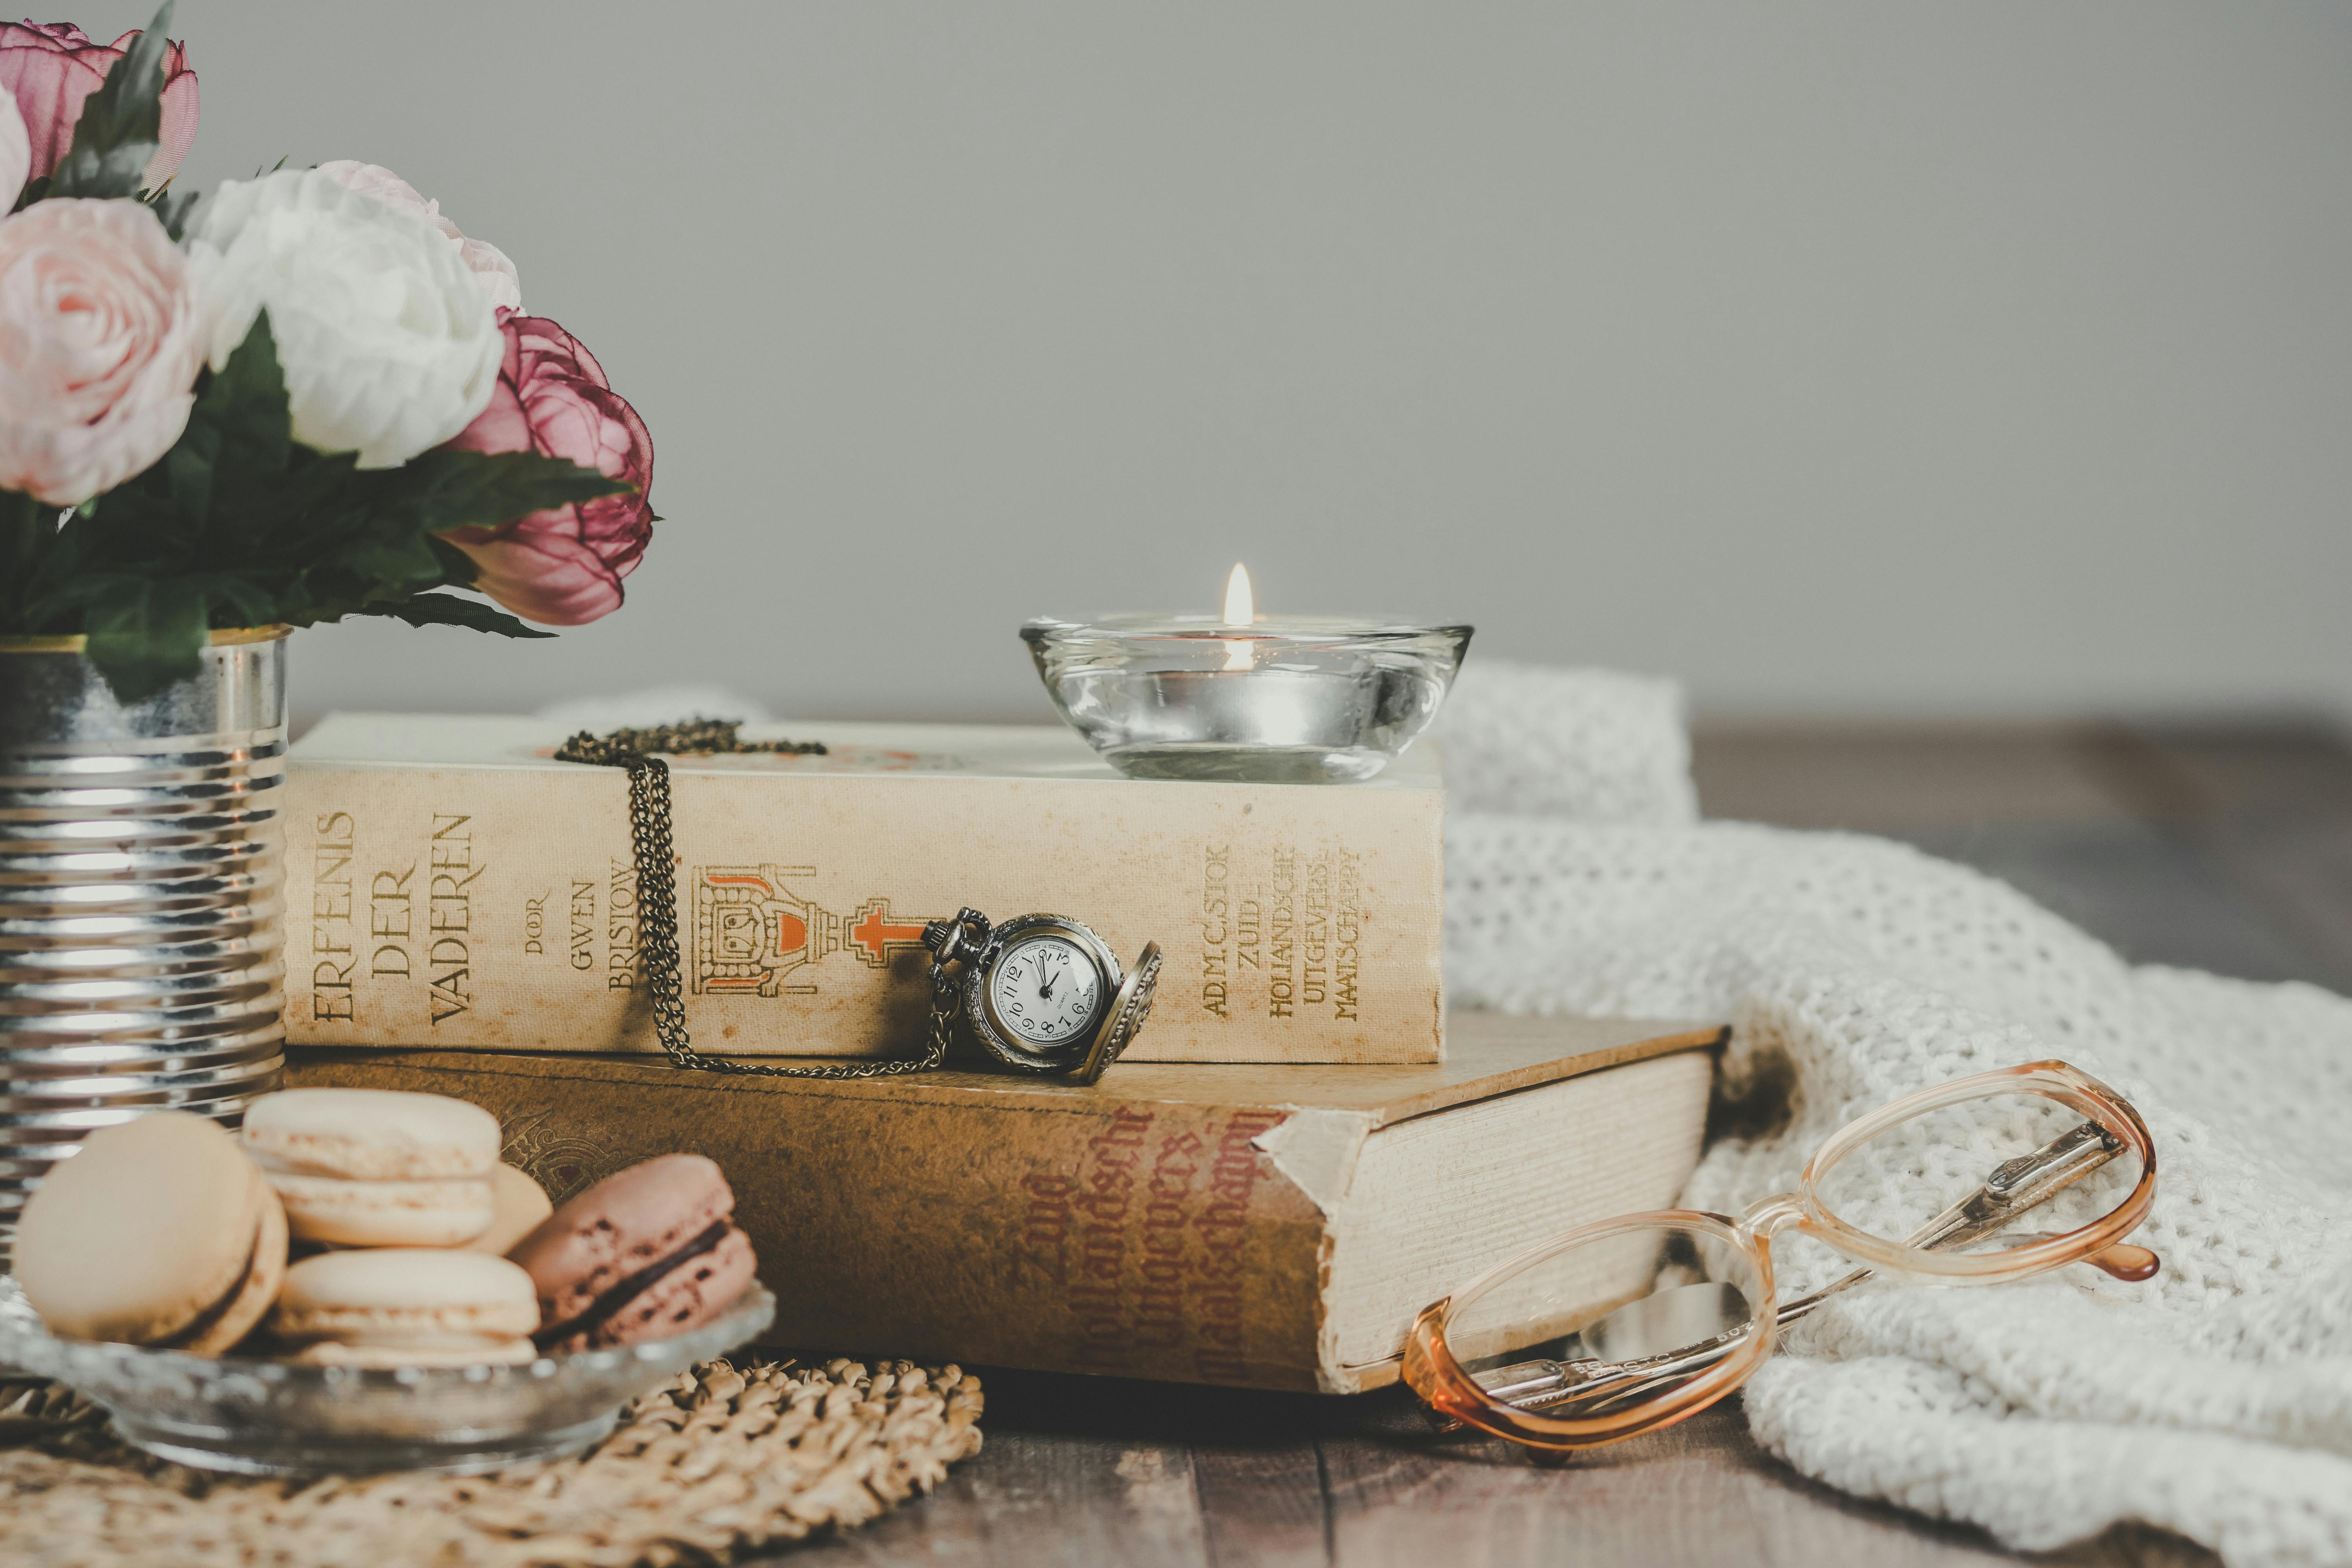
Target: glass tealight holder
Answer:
pixel 1302 700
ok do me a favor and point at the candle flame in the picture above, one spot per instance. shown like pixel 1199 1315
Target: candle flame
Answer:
pixel 1241 609
pixel 1241 604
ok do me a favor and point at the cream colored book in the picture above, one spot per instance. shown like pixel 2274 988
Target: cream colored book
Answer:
pixel 1271 1227
pixel 449 884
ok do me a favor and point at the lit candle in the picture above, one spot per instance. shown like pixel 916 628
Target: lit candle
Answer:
pixel 1241 610
pixel 1293 700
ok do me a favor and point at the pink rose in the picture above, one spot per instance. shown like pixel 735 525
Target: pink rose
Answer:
pixel 52 66
pixel 99 343
pixel 563 566
pixel 493 273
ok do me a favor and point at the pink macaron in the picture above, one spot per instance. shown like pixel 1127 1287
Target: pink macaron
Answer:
pixel 643 1254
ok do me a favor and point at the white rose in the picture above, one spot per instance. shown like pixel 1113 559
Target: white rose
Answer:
pixel 388 345
pixel 494 275
pixel 16 151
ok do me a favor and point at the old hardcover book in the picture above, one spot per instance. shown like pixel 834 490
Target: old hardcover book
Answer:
pixel 1274 1227
pixel 450 884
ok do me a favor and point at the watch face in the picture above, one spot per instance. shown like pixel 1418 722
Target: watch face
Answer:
pixel 1046 991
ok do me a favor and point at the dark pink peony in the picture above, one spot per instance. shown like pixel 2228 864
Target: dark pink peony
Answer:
pixel 51 67
pixel 563 566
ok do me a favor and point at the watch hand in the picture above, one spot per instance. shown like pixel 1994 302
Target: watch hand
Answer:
pixel 1045 987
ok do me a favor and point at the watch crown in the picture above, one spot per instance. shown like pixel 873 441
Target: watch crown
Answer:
pixel 957 938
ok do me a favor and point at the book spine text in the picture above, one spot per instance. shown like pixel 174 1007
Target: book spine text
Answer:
pixel 473 908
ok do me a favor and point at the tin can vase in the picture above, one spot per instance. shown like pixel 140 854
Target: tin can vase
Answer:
pixel 141 895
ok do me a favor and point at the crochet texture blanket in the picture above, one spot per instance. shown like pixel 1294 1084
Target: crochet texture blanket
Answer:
pixel 2215 1400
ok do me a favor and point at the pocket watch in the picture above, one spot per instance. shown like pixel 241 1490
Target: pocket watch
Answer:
pixel 1042 993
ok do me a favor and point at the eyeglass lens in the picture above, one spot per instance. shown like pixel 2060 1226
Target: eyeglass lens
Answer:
pixel 1617 1307
pixel 1960 1178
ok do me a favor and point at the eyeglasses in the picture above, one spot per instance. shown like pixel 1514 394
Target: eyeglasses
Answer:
pixel 1631 1324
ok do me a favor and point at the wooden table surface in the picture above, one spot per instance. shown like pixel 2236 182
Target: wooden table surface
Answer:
pixel 2226 847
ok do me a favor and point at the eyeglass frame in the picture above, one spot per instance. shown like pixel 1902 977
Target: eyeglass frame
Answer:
pixel 1455 1394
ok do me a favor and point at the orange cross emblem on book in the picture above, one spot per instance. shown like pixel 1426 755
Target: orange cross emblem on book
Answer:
pixel 876 934
pixel 752 934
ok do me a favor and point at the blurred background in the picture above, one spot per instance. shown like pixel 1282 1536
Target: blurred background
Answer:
pixel 1841 359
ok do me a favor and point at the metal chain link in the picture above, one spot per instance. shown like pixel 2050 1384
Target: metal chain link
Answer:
pixel 649 829
pixel 695 737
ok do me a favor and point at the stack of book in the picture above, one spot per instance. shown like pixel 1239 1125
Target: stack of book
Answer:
pixel 1302 1149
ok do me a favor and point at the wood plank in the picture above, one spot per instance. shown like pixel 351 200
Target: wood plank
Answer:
pixel 1267 1507
pixel 2302 874
pixel 2153 893
pixel 1041 1499
pixel 2225 847
pixel 1888 778
pixel 2271 807
pixel 2296 770
pixel 1698 1494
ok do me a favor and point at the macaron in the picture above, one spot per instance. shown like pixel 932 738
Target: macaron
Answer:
pixel 377 1167
pixel 647 1252
pixel 519 1204
pixel 159 1232
pixel 406 1306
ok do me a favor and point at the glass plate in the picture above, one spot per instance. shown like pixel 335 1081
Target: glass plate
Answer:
pixel 280 1418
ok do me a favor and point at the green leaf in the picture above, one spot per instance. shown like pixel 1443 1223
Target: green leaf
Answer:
pixel 172 209
pixel 238 437
pixel 33 191
pixel 121 123
pixel 459 569
pixel 145 634
pixel 239 603
pixel 446 489
pixel 90 555
pixel 133 529
pixel 29 533
pixel 449 610
pixel 405 564
pixel 301 516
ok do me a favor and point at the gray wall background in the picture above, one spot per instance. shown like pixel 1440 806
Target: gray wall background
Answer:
pixel 1835 357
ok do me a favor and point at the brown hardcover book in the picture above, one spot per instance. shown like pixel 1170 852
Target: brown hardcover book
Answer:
pixel 1273 1226
pixel 450 884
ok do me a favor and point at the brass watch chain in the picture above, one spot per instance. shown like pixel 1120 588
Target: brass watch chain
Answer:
pixel 649 831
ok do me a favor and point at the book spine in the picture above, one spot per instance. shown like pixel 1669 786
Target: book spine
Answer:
pixel 498 908
pixel 1147 1239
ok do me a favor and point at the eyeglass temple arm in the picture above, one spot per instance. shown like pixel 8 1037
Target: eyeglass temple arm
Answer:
pixel 2013 1187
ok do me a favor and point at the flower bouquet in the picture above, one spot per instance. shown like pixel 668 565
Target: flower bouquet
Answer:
pixel 304 397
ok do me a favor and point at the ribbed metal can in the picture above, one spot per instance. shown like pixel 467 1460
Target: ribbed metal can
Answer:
pixel 142 909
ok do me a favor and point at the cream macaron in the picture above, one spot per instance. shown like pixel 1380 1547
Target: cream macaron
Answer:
pixel 376 1167
pixel 406 1306
pixel 158 1232
pixel 521 1203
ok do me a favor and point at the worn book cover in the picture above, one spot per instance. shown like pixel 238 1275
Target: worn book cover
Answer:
pixel 1267 1226
pixel 452 885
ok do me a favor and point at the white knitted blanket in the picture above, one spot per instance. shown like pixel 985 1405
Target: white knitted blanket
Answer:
pixel 2215 1400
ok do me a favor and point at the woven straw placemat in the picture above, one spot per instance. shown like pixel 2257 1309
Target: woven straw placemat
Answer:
pixel 725 1460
